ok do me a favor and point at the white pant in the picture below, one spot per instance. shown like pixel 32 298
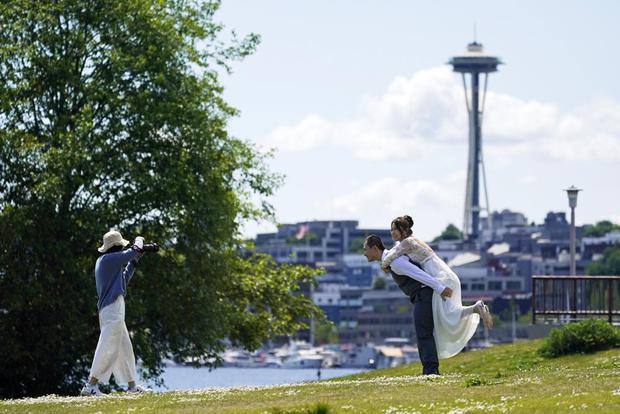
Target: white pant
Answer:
pixel 114 353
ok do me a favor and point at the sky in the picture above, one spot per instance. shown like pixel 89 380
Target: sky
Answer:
pixel 369 122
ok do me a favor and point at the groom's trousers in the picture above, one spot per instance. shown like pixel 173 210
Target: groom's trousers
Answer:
pixel 423 322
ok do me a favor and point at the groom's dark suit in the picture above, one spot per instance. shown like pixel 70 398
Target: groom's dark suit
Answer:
pixel 422 299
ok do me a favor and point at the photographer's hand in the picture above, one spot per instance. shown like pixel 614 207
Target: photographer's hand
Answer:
pixel 138 244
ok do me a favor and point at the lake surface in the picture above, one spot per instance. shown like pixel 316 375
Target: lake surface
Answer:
pixel 188 378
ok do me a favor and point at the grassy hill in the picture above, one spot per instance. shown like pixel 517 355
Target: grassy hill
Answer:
pixel 503 379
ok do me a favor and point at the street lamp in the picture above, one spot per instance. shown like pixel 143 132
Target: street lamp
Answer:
pixel 572 192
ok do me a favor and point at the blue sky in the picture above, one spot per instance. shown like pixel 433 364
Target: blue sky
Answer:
pixel 369 122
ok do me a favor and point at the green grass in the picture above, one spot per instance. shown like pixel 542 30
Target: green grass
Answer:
pixel 509 378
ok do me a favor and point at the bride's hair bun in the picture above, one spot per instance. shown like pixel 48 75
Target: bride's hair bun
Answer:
pixel 409 220
pixel 403 225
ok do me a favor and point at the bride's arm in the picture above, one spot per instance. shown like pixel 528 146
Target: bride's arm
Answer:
pixel 404 247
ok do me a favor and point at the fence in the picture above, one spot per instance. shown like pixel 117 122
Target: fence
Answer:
pixel 564 299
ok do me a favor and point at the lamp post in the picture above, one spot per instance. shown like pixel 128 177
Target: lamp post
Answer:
pixel 572 192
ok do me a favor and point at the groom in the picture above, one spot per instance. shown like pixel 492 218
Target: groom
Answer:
pixel 419 286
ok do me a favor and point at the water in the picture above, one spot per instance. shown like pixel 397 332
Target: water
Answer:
pixel 188 378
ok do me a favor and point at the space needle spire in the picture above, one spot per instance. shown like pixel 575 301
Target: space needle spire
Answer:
pixel 471 66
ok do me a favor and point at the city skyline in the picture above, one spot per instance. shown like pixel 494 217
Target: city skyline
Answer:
pixel 369 121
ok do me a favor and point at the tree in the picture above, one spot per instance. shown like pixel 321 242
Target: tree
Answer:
pixel 112 115
pixel 380 283
pixel 326 332
pixel 356 245
pixel 609 264
pixel 451 232
pixel 601 228
pixel 598 293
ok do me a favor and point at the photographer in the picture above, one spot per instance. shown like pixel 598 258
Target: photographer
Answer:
pixel 114 353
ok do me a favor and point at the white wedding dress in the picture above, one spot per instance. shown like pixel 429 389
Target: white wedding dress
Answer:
pixel 452 329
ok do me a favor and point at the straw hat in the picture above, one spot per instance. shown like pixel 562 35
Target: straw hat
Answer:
pixel 112 238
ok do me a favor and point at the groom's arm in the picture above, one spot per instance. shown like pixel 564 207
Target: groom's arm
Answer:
pixel 402 266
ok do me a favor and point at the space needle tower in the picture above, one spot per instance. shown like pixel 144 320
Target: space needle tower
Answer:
pixel 474 63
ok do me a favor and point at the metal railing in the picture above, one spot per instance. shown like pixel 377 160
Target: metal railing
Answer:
pixel 564 299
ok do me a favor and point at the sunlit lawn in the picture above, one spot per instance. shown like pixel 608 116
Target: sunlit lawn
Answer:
pixel 508 378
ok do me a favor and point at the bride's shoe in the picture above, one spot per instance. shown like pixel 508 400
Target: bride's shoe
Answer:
pixel 485 314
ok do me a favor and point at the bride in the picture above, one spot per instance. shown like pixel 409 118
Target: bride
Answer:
pixel 454 323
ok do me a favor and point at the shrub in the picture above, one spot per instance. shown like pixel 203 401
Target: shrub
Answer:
pixel 582 337
pixel 474 382
pixel 320 408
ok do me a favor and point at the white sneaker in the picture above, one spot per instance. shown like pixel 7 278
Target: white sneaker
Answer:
pixel 139 389
pixel 91 390
pixel 485 314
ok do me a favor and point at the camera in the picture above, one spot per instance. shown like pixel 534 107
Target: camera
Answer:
pixel 150 247
pixel 139 245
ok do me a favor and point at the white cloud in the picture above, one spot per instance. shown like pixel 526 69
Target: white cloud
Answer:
pixel 591 132
pixel 435 203
pixel 527 179
pixel 420 115
pixel 511 119
pixel 427 106
pixel 393 195
pixel 408 119
pixel 311 132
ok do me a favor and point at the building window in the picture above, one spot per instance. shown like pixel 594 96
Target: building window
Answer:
pixel 495 285
pixel 464 286
pixel 516 285
pixel 477 286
